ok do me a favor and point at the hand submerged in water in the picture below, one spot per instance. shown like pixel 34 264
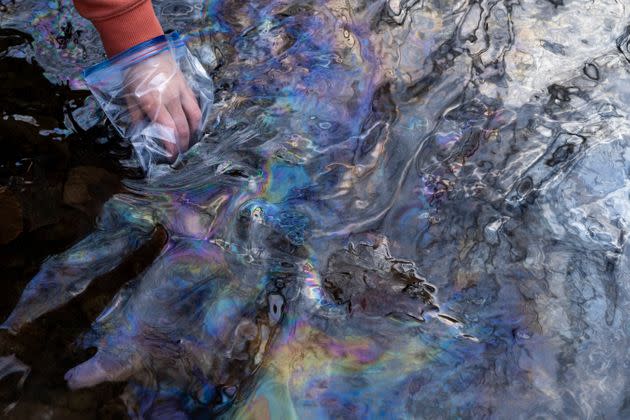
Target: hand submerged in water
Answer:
pixel 158 92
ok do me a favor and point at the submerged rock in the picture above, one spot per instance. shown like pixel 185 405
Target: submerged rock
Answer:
pixel 11 216
pixel 371 282
pixel 87 187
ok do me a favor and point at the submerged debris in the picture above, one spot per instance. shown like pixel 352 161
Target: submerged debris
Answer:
pixel 367 279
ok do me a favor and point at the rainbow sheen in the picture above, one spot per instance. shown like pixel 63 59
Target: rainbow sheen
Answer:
pixel 402 209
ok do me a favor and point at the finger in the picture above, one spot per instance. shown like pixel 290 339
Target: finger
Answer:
pixel 192 111
pixel 182 131
pixel 135 111
pixel 152 105
pixel 167 131
pixel 105 366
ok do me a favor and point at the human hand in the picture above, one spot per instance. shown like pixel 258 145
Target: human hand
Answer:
pixel 161 104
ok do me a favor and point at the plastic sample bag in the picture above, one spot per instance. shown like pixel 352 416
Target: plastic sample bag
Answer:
pixel 157 95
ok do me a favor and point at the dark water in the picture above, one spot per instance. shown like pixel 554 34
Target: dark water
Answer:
pixel 402 209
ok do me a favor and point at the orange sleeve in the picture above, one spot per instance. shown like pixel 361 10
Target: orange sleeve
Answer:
pixel 121 23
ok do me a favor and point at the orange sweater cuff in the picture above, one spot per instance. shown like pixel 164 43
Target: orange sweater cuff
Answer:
pixel 130 28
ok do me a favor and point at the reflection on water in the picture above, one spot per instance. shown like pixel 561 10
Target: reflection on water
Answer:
pixel 402 209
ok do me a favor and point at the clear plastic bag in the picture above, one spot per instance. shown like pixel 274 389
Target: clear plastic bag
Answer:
pixel 157 94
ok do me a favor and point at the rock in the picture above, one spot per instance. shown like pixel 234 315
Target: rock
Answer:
pixel 87 187
pixel 82 400
pixel 10 215
pixel 369 281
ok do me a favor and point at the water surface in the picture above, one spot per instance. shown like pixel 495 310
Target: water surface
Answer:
pixel 402 209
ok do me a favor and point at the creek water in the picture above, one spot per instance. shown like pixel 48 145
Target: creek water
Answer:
pixel 401 209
